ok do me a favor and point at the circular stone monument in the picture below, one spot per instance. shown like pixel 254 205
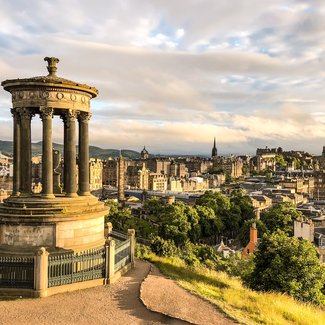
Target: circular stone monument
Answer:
pixel 73 219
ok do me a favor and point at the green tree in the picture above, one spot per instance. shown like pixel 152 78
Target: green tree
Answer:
pixel 122 219
pixel 153 207
pixel 239 199
pixel 279 160
pixel 112 206
pixel 219 203
pixel 174 223
pixel 163 247
pixel 210 224
pixel 194 234
pixel 288 265
pixel 281 216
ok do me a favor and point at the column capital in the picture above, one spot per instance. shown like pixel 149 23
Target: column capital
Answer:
pixel 46 113
pixel 69 116
pixel 84 117
pixel 14 113
pixel 25 113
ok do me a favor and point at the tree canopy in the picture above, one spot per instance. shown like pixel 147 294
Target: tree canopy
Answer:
pixel 289 265
pixel 281 216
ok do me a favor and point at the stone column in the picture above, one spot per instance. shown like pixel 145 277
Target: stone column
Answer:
pixel 65 146
pixel 70 153
pixel 41 272
pixel 47 158
pixel 110 261
pixel 83 178
pixel 108 229
pixel 131 236
pixel 25 151
pixel 16 171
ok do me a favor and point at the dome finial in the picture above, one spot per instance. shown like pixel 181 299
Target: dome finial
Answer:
pixel 52 62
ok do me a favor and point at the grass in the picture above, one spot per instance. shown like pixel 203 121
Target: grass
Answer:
pixel 244 305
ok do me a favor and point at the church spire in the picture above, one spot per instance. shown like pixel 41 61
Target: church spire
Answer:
pixel 214 149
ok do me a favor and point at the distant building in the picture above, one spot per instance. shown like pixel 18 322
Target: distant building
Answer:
pixel 95 174
pixel 157 182
pixel 252 245
pixel 144 153
pixel 110 172
pixel 313 231
pixel 322 159
pixel 231 166
pixel 319 186
pixel 121 179
pixel 159 165
pixel 137 177
pixel 223 249
pixel 214 149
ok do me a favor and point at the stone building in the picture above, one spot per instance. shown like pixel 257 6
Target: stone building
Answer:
pixel 214 152
pixel 231 166
pixel 95 174
pixel 174 185
pixel 319 186
pixel 195 184
pixel 198 165
pixel 321 160
pixel 157 182
pixel 28 221
pixel 138 177
pixel 50 242
pixel 144 153
pixel 159 165
pixel 110 172
pixel 121 179
pixel 215 180
pixel 313 231
pixel 177 169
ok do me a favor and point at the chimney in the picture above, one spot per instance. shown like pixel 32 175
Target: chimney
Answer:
pixel 253 233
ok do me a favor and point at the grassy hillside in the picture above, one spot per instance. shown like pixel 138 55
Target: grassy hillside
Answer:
pixel 240 303
pixel 94 152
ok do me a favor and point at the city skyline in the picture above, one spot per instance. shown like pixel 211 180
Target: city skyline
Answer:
pixel 172 76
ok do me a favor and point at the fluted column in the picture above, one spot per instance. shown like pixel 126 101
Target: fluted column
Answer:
pixel 46 114
pixel 83 178
pixel 70 153
pixel 16 171
pixel 25 151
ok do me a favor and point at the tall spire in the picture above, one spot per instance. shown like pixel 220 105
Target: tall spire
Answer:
pixel 214 149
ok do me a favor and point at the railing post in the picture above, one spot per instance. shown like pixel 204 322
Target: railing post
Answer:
pixel 131 235
pixel 108 229
pixel 110 260
pixel 41 272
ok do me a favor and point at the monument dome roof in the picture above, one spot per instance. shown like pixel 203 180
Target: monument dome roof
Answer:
pixel 51 80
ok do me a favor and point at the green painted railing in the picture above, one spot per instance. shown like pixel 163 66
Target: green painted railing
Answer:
pixel 16 272
pixel 122 254
pixel 76 267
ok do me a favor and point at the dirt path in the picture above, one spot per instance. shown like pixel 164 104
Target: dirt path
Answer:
pixel 115 304
pixel 163 295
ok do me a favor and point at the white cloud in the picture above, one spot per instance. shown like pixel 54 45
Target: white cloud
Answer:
pixel 246 75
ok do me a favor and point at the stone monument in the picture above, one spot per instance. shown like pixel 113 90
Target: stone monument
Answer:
pixel 73 219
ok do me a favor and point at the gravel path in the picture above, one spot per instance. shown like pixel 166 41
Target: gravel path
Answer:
pixel 116 304
pixel 163 295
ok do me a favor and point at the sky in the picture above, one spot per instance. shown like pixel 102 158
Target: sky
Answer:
pixel 174 74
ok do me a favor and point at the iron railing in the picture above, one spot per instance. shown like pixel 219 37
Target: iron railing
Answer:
pixel 16 272
pixel 69 268
pixel 118 236
pixel 122 254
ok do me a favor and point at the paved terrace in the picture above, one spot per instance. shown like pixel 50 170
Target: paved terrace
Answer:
pixel 118 303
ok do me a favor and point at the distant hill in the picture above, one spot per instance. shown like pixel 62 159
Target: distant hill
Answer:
pixel 94 152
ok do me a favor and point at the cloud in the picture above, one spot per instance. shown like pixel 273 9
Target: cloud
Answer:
pixel 174 81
